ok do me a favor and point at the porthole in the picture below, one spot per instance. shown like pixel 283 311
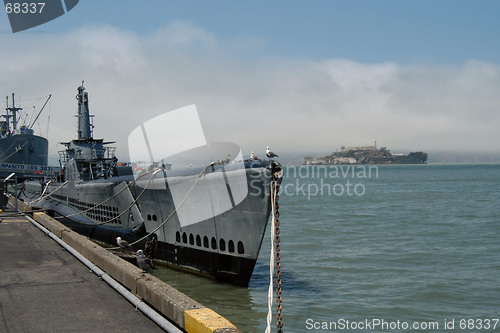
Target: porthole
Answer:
pixel 191 239
pixel 241 248
pixel 155 218
pixel 214 243
pixel 222 244
pixel 205 242
pixel 184 238
pixel 198 240
pixel 230 245
pixel 178 237
pixel 149 217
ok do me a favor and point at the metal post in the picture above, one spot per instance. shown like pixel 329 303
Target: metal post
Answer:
pixel 16 192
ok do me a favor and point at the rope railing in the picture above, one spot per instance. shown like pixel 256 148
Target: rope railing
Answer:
pixel 172 214
pixel 42 196
pixel 154 172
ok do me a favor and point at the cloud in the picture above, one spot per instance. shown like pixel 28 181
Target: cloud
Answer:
pixel 180 35
pixel 288 103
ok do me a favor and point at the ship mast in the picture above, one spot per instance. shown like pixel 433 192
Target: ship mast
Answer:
pixel 84 131
pixel 14 111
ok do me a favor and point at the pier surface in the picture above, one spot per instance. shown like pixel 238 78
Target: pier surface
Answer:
pixel 43 288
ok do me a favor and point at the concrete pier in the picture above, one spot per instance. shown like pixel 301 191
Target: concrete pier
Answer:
pixel 185 312
pixel 43 288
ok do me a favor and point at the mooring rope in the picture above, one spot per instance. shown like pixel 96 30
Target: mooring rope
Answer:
pixel 275 257
pixel 154 172
pixel 42 196
pixel 271 265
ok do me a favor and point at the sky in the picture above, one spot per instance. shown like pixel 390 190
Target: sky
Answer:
pixel 299 76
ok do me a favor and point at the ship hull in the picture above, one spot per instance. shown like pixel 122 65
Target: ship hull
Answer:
pixel 236 270
pixel 224 246
pixel 23 154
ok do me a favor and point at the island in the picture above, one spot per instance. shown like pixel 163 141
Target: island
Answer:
pixel 367 155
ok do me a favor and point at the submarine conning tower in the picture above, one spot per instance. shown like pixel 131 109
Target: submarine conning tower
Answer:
pixel 84 131
pixel 86 158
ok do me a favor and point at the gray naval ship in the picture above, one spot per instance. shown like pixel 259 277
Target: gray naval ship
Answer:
pixel 209 219
pixel 21 151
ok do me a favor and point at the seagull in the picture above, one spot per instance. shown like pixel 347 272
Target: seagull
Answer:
pixel 123 243
pixel 270 154
pixel 253 157
pixel 144 263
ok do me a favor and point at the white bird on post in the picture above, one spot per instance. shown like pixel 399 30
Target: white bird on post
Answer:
pixel 253 157
pixel 270 154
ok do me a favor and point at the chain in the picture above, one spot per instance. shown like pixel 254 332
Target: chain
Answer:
pixel 277 256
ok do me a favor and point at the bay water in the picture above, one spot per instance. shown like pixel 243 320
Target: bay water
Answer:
pixel 375 248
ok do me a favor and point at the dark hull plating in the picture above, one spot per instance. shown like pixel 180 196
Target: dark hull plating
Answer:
pixel 222 267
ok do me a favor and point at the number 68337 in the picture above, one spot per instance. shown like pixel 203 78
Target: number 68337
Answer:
pixel 478 324
pixel 24 7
